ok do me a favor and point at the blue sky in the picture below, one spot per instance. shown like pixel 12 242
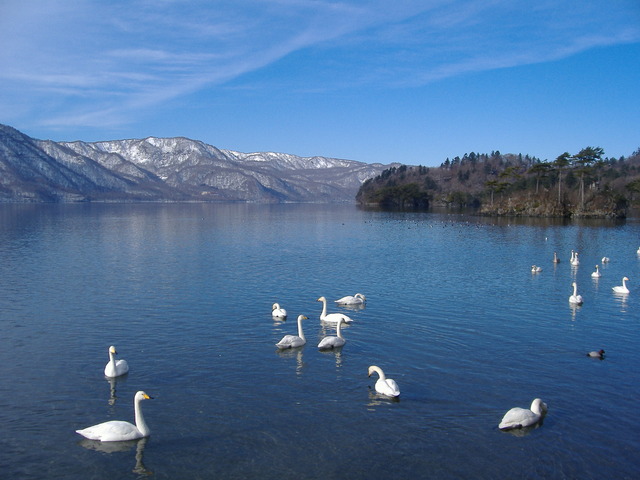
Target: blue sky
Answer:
pixel 368 80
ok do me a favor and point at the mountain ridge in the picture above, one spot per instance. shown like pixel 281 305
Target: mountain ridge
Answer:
pixel 169 169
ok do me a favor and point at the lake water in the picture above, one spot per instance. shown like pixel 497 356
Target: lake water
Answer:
pixel 184 291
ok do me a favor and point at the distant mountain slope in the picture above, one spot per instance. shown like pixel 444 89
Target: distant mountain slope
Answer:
pixel 168 169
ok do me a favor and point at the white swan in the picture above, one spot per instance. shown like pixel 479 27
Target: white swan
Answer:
pixel 357 299
pixel 575 298
pixel 574 261
pixel 278 312
pixel 332 317
pixel 535 269
pixel 597 273
pixel 521 417
pixel 113 368
pixel 573 254
pixel 622 288
pixel 555 258
pixel 385 386
pixel 333 342
pixel 596 354
pixel 606 259
pixel 293 341
pixel 117 430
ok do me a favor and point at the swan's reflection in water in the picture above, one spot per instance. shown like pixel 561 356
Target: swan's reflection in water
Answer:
pixel 113 381
pixel 376 399
pixel 575 308
pixel 115 447
pixel 522 432
pixel 336 352
pixel 294 353
pixel 333 326
pixel 112 391
pixel 353 308
pixel 621 299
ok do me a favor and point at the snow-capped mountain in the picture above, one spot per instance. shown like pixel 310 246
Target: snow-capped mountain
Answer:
pixel 168 169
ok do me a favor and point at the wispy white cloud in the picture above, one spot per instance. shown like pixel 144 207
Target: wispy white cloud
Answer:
pixel 104 62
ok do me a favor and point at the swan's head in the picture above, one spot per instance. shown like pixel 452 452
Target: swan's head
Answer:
pixel 112 349
pixel 372 369
pixel 302 317
pixel 539 407
pixel 359 295
pixel 142 396
pixel 275 306
pixel 625 279
pixel 321 299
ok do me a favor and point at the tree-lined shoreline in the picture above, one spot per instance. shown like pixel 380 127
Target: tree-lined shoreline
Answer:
pixel 584 184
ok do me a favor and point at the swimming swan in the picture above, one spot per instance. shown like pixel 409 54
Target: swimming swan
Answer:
pixel 332 317
pixel 113 368
pixel 597 273
pixel 328 343
pixel 293 341
pixel 278 312
pixel 555 258
pixel 622 288
pixel 574 261
pixel 575 298
pixel 606 259
pixel 385 386
pixel 596 354
pixel 535 269
pixel 357 299
pixel 521 417
pixel 117 430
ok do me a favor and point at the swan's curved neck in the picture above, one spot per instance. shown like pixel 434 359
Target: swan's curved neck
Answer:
pixel 536 408
pixel 139 418
pixel 112 360
pixel 624 283
pixel 300 333
pixel 380 373
pixel 324 309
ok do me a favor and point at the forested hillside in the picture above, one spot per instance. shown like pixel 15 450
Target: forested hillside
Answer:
pixel 583 184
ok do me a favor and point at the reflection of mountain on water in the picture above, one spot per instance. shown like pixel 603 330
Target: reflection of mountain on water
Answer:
pixel 115 447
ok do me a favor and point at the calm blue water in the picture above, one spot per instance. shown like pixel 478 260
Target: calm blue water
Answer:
pixel 184 292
